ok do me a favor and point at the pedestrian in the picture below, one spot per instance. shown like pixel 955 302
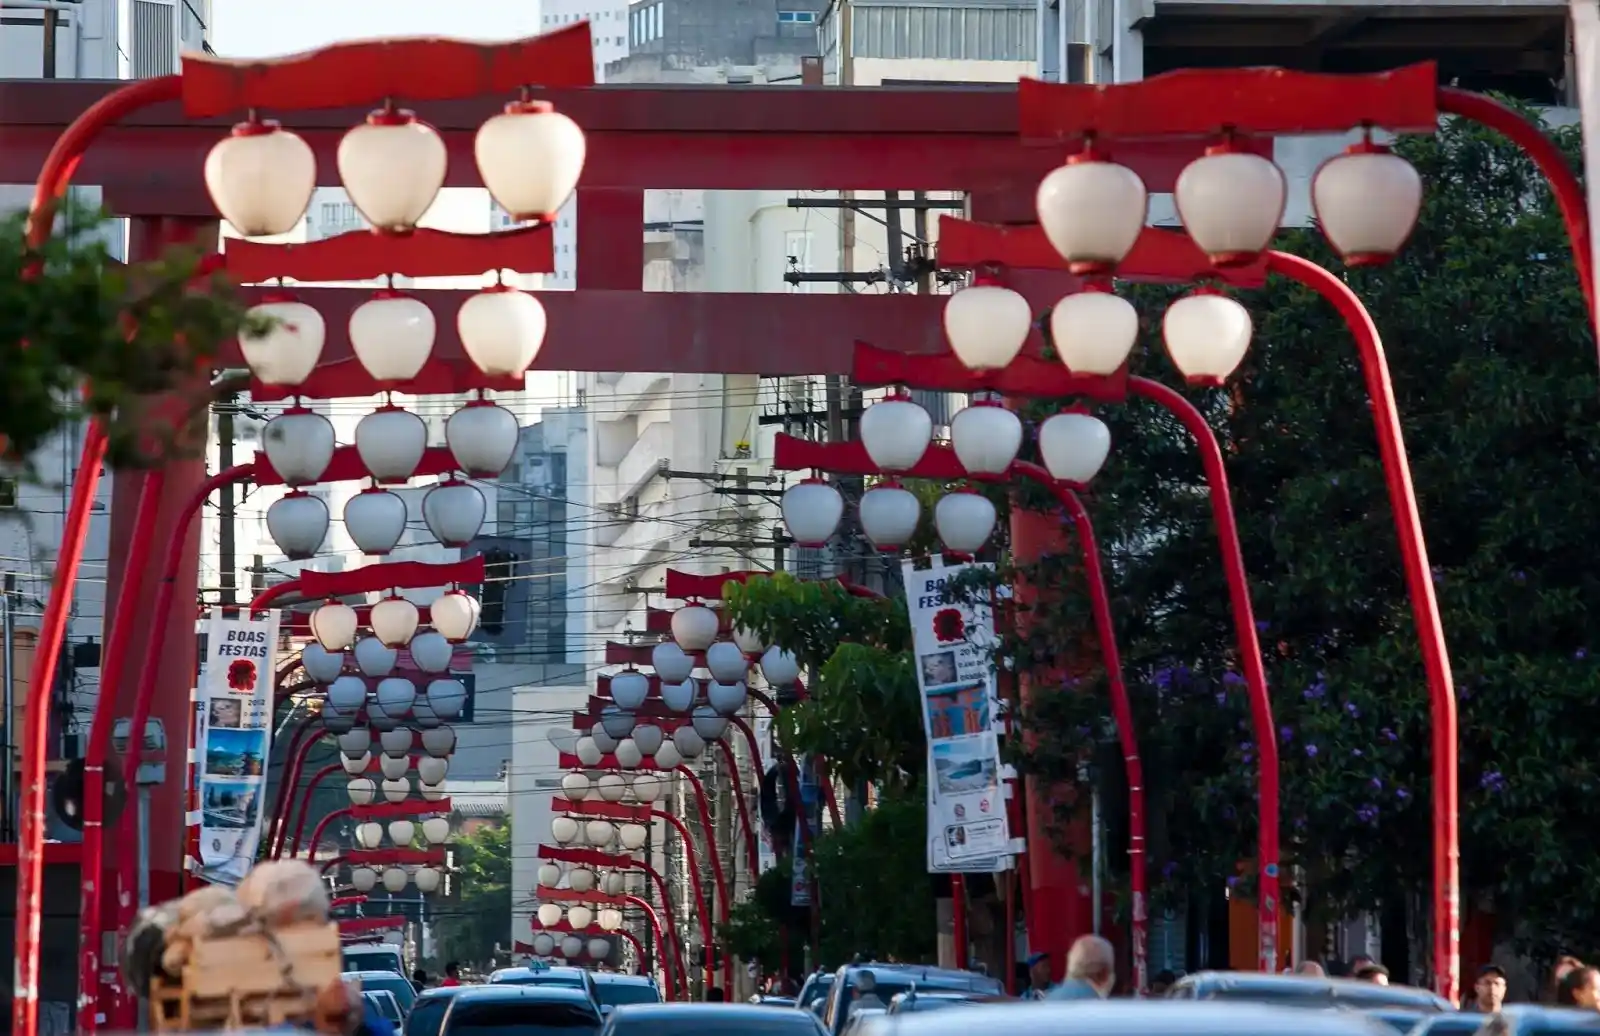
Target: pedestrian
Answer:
pixel 1372 972
pixel 1036 971
pixel 1091 971
pixel 452 975
pixel 1162 984
pixel 715 995
pixel 1488 992
pixel 1311 969
pixel 1580 987
pixel 1564 964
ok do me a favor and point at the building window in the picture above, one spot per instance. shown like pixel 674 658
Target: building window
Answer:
pixel 797 17
pixel 8 492
pixel 655 19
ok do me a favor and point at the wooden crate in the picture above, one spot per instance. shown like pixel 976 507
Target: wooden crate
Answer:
pixel 249 980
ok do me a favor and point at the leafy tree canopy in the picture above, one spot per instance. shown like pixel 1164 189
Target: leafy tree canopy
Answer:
pixel 469 928
pixel 71 316
pixel 1494 371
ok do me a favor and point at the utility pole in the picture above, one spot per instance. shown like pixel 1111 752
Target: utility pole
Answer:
pixel 228 577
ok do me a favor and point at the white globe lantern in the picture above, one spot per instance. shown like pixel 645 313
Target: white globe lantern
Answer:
pixel 611 787
pixel 336 722
pixel 609 918
pixel 1094 331
pixel 575 786
pixel 363 879
pixel 694 627
pixel 361 791
pixel 603 739
pixel 633 837
pixel 599 833
pixel 374 658
pixel 709 723
pixel 780 667
pixel 394 619
pixel 430 652
pixel 447 698
pixel 395 879
pixel 381 720
pixel 896 432
pixel 986 437
pixel 616 722
pixel 1074 446
pixel 647 738
pixel 671 663
pixel 727 662
pixel 438 742
pixel 646 788
pixel 394 768
pixel 402 832
pixel 333 624
pixel 375 520
pixel 580 879
pixel 355 765
pixel 501 330
pixel 395 695
pixel 482 438
pixel 392 168
pixel 667 757
pixel 571 946
pixel 598 948
pixel 965 521
pixel 428 879
pixel 298 524
pixel 811 512
pixel 320 664
pixel 348 693
pixel 1092 211
pixel 369 835
pixel 530 158
pixel 436 830
pixel 395 789
pixel 588 752
pixel 390 442
pixel 432 771
pixel 1367 201
pixel 1231 202
pixel 261 178
pixel 550 914
pixel 629 689
pixel 565 831
pixel 299 445
pixel 749 642
pixel 1207 335
pixel 549 876
pixel 454 512
pixel 392 335
pixel 544 944
pixel 726 698
pixel 986 325
pixel 424 718
pixel 889 515
pixel 397 741
pixel 356 742
pixel 688 742
pixel 289 350
pixel 432 792
pixel 628 755
pixel 564 739
pixel 678 697
pixel 455 615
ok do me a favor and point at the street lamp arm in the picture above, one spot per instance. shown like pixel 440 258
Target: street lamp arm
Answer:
pixel 305 806
pixel 294 762
pixel 743 804
pixel 706 930
pixel 322 825
pixel 701 805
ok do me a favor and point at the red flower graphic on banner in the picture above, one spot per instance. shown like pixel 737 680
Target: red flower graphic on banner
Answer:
pixel 949 626
pixel 242 675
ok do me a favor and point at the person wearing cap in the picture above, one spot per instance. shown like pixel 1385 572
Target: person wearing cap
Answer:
pixel 1039 983
pixel 1488 992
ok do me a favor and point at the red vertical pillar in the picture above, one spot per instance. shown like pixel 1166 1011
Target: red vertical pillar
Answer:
pixel 148 239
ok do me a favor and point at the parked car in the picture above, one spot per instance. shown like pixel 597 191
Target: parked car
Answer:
pixel 709 1020
pixel 537 974
pixel 393 982
pixel 813 994
pixel 1305 991
pixel 505 1009
pixel 1449 1023
pixel 372 956
pixel 933 1000
pixel 1127 1018
pixel 1534 1020
pixel 383 1002
pixel 617 989
pixel 1400 1019
pixel 428 1011
pixel 890 980
pixel 774 1001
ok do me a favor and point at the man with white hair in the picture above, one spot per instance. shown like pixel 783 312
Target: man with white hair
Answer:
pixel 1091 971
pixel 866 998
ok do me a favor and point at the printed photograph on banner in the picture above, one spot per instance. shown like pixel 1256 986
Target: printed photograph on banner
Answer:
pixel 234 740
pixel 236 753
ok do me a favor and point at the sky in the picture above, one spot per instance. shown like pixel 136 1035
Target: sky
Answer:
pixel 270 28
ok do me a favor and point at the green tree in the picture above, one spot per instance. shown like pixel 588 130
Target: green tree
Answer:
pixel 1494 371
pixel 469 928
pixel 71 317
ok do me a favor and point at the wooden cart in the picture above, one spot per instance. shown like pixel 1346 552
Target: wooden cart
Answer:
pixel 249 980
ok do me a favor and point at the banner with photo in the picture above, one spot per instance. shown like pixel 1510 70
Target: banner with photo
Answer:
pixel 807 817
pixel 768 856
pixel 954 644
pixel 234 734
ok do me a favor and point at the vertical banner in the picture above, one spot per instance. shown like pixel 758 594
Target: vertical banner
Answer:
pixel 954 644
pixel 1586 58
pixel 234 711
pixel 767 857
pixel 807 813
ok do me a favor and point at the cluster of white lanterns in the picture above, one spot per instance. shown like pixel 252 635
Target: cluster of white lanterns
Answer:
pixel 547 944
pixel 261 179
pixel 1231 202
pixel 598 833
pixel 482 437
pixel 434 830
pixel 985 436
pixel 584 879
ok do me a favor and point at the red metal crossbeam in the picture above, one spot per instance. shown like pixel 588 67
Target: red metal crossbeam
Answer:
pixel 346 465
pixel 394 857
pixel 587 857
pixel 600 808
pixel 568 761
pixel 394 575
pixel 1159 256
pixel 409 808
pixel 549 894
pixel 365 254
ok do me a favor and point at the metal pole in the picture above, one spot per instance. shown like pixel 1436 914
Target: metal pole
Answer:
pixel 8 681
pixel 52 25
pixel 228 561
pixel 144 878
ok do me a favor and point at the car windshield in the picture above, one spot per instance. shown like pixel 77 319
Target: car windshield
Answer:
pixel 615 994
pixel 696 1023
pixel 521 1018
pixel 372 960
pixel 399 985
pixel 815 990
pixel 426 1014
pixel 386 1006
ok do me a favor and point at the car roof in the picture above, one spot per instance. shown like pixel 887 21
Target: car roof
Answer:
pixel 559 971
pixel 752 1013
pixel 508 991
pixel 1128 1017
pixel 617 978
pixel 922 973
pixel 440 992
pixel 1398 997
pixel 1539 1016
pixel 377 973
